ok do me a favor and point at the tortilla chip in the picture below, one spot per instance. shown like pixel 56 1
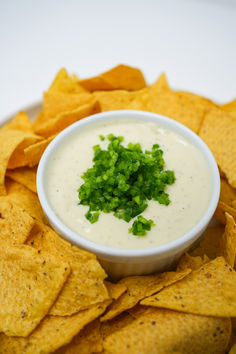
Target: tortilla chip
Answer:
pixel 121 77
pixel 227 246
pixel 65 83
pixel 227 193
pixel 230 107
pixel 21 122
pixel 52 333
pixel 210 242
pixel 189 262
pixel 139 287
pixel 109 327
pixel 115 290
pixel 223 208
pixel 57 102
pixel 26 199
pixel 33 153
pixel 89 340
pixel 30 284
pixel 160 331
pixel 208 291
pixel 15 222
pixel 11 153
pixel 218 131
pixel 161 85
pixel 233 349
pixel 63 120
pixel 85 286
pixel 178 106
pixel 25 176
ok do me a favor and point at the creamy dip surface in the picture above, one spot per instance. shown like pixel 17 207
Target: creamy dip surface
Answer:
pixel 189 195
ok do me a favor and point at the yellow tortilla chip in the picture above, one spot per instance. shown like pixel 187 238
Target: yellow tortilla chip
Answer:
pixel 160 331
pixel 52 333
pixel 115 290
pixel 11 151
pixel 30 284
pixel 227 245
pixel 227 193
pixel 65 83
pixel 85 286
pixel 21 122
pixel 178 106
pixel 160 85
pixel 139 287
pixel 121 77
pixel 25 176
pixel 63 120
pixel 218 131
pixel 57 102
pixel 33 153
pixel 109 327
pixel 223 208
pixel 15 222
pixel 89 340
pixel 189 262
pixel 233 349
pixel 210 242
pixel 230 107
pixel 209 290
pixel 26 199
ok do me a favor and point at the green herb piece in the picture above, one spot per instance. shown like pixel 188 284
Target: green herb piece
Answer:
pixel 122 180
pixel 102 137
pixel 141 226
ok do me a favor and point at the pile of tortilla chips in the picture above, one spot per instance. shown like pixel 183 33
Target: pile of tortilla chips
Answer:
pixel 53 296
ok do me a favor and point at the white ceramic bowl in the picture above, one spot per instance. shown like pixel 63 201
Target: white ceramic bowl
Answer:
pixel 121 262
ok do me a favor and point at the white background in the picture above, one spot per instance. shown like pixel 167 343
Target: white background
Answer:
pixel 193 41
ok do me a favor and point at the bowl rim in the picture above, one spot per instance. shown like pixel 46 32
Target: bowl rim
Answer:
pixel 108 252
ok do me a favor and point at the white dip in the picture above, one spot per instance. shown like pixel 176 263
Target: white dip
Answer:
pixel 189 194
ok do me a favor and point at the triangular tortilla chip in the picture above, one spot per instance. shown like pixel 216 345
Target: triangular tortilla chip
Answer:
pixel 209 290
pixel 30 284
pixel 84 286
pixel 139 287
